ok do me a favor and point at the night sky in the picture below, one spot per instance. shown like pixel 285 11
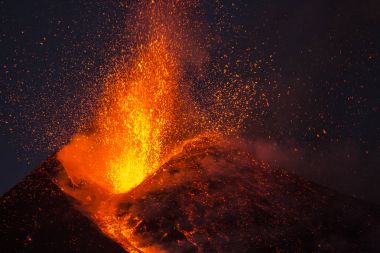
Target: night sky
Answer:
pixel 320 72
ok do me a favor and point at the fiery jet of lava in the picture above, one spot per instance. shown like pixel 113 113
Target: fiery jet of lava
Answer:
pixel 130 126
pixel 137 124
pixel 145 116
pixel 146 111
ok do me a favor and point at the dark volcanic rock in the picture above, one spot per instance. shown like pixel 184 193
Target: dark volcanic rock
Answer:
pixel 36 216
pixel 206 199
pixel 209 199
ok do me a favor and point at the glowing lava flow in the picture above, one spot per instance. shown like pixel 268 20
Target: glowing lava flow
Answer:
pixel 139 124
pixel 135 130
pixel 144 117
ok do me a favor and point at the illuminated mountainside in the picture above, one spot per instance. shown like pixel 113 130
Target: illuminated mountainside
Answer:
pixel 205 199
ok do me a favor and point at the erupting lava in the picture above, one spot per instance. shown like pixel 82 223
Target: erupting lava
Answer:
pixel 145 116
pixel 157 171
pixel 132 124
pixel 135 127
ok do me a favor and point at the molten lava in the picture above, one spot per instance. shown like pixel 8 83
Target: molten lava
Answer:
pixel 131 125
pixel 156 173
pixel 144 118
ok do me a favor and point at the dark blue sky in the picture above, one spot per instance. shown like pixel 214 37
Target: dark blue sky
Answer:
pixel 323 82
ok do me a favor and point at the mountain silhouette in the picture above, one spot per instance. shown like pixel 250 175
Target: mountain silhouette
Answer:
pixel 208 198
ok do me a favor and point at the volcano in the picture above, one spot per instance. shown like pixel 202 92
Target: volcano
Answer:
pixel 207 198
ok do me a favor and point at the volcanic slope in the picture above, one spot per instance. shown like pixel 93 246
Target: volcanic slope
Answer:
pixel 213 199
pixel 36 216
pixel 208 198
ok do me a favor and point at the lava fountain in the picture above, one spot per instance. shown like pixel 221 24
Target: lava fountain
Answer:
pixel 156 170
pixel 137 124
pixel 145 116
pixel 131 125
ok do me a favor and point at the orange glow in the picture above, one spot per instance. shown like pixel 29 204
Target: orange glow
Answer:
pixel 130 127
pixel 145 117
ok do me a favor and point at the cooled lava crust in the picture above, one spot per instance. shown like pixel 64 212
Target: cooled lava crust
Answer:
pixel 208 198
